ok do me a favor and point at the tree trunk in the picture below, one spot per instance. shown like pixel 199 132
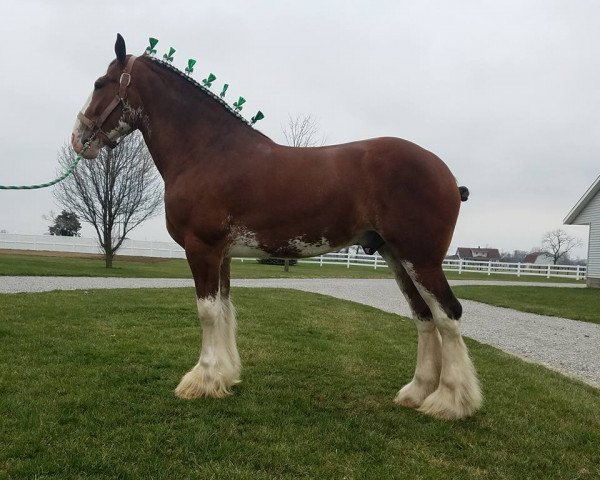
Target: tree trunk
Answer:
pixel 108 251
pixel 108 259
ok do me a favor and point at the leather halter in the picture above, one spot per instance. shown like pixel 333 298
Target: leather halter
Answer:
pixel 96 125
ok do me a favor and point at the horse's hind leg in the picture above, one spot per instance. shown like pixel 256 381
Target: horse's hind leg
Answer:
pixel 429 347
pixel 458 394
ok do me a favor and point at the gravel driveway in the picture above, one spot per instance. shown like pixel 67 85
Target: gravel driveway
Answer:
pixel 569 346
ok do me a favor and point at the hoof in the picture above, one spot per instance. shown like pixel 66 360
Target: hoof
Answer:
pixel 205 382
pixel 413 394
pixel 448 403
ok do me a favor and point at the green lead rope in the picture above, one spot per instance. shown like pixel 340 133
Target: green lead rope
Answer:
pixel 69 171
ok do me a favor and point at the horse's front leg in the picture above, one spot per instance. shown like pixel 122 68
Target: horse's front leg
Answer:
pixel 230 320
pixel 218 368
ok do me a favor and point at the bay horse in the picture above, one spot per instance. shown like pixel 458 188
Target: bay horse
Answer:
pixel 232 191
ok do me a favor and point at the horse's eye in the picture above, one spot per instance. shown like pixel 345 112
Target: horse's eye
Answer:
pixel 97 85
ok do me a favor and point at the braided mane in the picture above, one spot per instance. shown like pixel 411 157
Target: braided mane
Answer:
pixel 213 96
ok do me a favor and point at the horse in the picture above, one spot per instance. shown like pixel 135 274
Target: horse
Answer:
pixel 232 191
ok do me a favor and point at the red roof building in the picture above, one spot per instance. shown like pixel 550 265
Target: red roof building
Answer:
pixel 478 254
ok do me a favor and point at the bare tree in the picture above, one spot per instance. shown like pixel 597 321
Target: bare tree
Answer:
pixel 557 244
pixel 302 131
pixel 114 193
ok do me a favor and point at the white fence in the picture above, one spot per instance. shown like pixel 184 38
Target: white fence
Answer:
pixel 459 266
pixel 139 248
pixel 577 272
pixel 54 243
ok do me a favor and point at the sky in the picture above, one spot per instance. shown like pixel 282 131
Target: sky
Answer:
pixel 506 93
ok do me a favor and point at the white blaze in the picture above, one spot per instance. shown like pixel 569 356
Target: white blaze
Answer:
pixel 78 127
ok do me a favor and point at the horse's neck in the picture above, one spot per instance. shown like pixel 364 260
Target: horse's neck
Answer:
pixel 183 126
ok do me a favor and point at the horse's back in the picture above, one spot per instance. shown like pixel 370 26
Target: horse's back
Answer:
pixel 384 167
pixel 385 154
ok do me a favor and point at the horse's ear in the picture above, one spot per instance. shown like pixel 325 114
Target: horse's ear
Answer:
pixel 120 49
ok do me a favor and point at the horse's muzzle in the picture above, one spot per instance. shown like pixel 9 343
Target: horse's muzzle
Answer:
pixel 90 153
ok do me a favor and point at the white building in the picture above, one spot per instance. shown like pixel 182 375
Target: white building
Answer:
pixel 539 258
pixel 587 212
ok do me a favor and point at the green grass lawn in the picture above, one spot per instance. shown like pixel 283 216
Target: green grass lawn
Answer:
pixel 574 303
pixel 168 268
pixel 87 379
pixel 13 264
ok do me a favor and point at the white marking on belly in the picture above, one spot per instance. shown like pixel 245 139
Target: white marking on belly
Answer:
pixel 306 249
pixel 245 244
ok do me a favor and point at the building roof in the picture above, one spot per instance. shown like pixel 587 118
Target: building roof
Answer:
pixel 583 201
pixel 533 256
pixel 485 253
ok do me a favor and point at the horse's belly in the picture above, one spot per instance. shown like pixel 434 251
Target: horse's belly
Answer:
pixel 303 249
pixel 248 245
pixel 247 251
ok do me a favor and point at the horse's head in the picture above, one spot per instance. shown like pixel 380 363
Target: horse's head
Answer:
pixel 109 111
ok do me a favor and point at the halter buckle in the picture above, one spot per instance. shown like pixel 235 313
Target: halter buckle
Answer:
pixel 125 77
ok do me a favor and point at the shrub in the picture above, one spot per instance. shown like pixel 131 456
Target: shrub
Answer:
pixel 276 261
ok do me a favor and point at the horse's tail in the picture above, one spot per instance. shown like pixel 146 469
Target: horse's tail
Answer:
pixel 464 193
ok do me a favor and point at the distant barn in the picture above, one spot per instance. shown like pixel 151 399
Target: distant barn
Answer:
pixel 478 254
pixel 539 258
pixel 587 212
